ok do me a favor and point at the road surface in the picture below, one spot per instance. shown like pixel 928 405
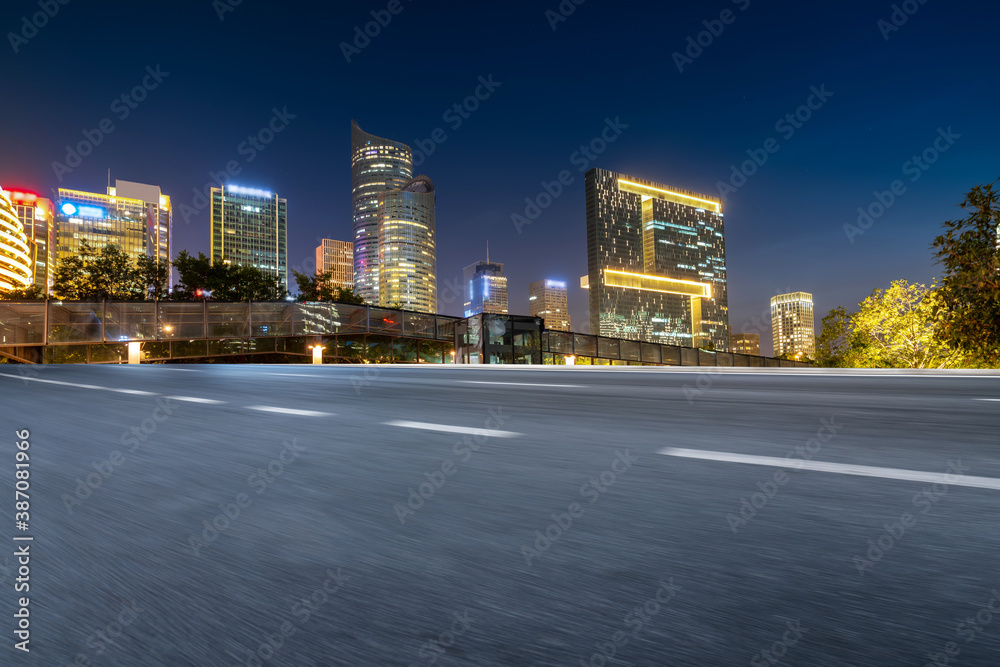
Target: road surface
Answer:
pixel 349 515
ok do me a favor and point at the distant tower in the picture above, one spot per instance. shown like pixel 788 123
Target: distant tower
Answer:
pixel 792 324
pixel 487 288
pixel 250 228
pixel 377 165
pixel 15 256
pixel 407 254
pixel 337 257
pixel 547 299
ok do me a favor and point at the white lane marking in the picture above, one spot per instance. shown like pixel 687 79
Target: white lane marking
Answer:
pixel 841 468
pixel 519 384
pixel 988 399
pixel 67 384
pixel 295 375
pixel 195 399
pixel 137 392
pixel 444 428
pixel 289 411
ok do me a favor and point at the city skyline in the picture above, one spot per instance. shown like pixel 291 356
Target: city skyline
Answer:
pixel 693 129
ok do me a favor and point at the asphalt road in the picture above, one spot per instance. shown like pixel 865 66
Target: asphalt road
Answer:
pixel 567 527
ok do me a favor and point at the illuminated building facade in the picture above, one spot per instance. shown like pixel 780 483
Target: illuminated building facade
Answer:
pixel 337 257
pixel 656 260
pixel 15 255
pixel 548 300
pixel 37 216
pixel 250 228
pixel 137 226
pixel 407 254
pixel 793 324
pixel 745 344
pixel 487 288
pixel 377 165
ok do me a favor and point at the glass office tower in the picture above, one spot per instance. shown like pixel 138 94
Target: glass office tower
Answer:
pixel 793 324
pixel 656 259
pixel 377 165
pixel 337 257
pixel 37 216
pixel 548 300
pixel 406 247
pixel 250 228
pixel 15 255
pixel 133 224
pixel 487 288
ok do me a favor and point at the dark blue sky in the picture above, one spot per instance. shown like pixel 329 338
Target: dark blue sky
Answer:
pixel 784 226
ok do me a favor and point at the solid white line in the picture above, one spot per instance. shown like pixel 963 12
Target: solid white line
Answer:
pixel 988 399
pixel 841 468
pixel 195 399
pixel 137 392
pixel 67 384
pixel 289 411
pixel 520 384
pixel 444 428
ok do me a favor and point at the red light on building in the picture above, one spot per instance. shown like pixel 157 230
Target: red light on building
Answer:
pixel 22 197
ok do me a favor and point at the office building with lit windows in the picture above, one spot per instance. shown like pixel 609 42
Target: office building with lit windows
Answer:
pixel 548 300
pixel 747 343
pixel 15 255
pixel 377 165
pixel 656 262
pixel 250 228
pixel 792 325
pixel 37 217
pixel 407 254
pixel 138 221
pixel 486 287
pixel 337 257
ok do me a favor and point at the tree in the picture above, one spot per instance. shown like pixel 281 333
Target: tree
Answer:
pixel 969 251
pixel 30 293
pixel 94 275
pixel 319 288
pixel 225 282
pixel 893 328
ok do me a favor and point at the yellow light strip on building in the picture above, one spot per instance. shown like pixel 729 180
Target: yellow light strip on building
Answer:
pixel 648 283
pixel 638 186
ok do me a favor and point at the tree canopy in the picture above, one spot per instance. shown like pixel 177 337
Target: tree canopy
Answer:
pixel 320 287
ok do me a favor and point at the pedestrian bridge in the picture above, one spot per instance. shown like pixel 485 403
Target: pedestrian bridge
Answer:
pixel 64 332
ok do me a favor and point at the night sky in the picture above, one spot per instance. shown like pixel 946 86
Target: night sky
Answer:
pixel 222 79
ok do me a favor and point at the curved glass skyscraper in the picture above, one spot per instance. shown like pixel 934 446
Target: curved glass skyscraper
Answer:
pixel 377 165
pixel 406 247
pixel 15 256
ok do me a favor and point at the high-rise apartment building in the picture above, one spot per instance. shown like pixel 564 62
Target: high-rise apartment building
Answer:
pixel 656 259
pixel 487 288
pixel 377 165
pixel 37 216
pixel 337 257
pixel 792 324
pixel 548 300
pixel 250 228
pixel 15 256
pixel 138 223
pixel 746 343
pixel 407 253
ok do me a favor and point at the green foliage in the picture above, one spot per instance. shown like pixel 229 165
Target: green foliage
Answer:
pixel 225 282
pixel 108 273
pixel 319 288
pixel 30 293
pixel 969 251
pixel 893 328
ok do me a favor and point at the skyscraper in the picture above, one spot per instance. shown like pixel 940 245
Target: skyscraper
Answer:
pixel 377 165
pixel 548 299
pixel 656 259
pixel 159 217
pixel 746 343
pixel 792 324
pixel 15 258
pixel 406 247
pixel 487 288
pixel 138 223
pixel 250 228
pixel 37 217
pixel 337 257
